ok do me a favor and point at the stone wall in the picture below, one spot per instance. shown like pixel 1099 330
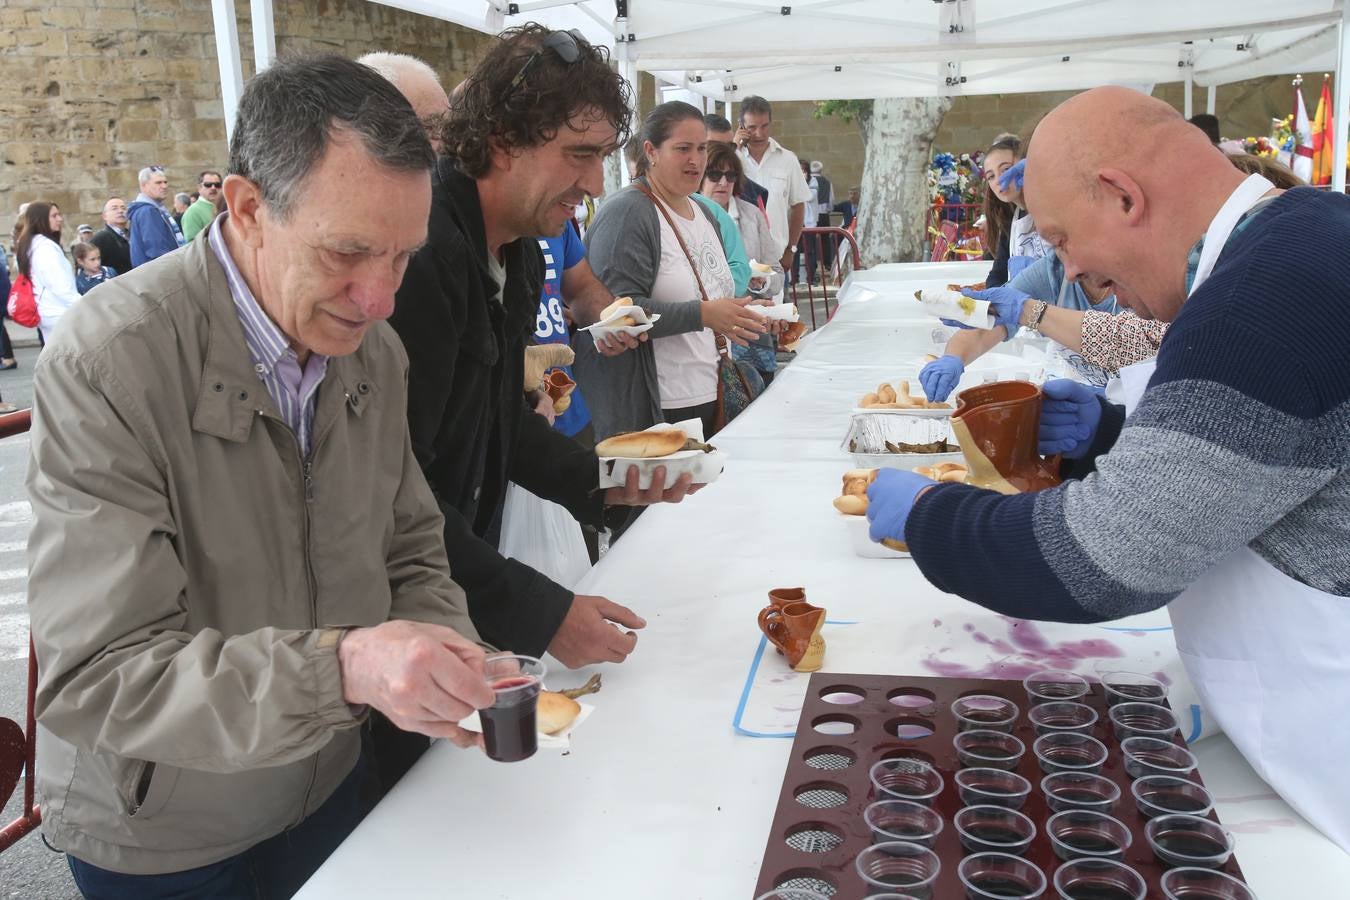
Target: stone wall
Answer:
pixel 836 143
pixel 93 90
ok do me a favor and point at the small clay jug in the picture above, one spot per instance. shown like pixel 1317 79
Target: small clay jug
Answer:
pixel 996 425
pixel 559 386
pixel 784 596
pixel 795 630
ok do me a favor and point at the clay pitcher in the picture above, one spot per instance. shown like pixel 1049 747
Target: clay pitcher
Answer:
pixel 795 630
pixel 996 426
pixel 783 596
pixel 559 388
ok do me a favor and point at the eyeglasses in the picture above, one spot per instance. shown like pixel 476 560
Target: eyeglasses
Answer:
pixel 210 184
pixel 563 43
pixel 158 169
pixel 720 175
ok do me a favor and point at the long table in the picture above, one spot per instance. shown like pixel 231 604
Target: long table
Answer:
pixel 669 787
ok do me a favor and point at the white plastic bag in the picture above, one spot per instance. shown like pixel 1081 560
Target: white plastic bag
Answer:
pixel 543 536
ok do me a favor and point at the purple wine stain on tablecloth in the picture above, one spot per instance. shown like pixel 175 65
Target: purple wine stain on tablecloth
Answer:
pixel 1024 650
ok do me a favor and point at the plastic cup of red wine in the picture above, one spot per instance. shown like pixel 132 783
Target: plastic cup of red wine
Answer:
pixel 1190 883
pixel 994 829
pixel 988 749
pixel 1081 833
pixel 1132 687
pixel 903 820
pixel 1189 841
pixel 1062 715
pixel 1098 879
pixel 901 866
pixel 995 787
pixel 905 779
pixel 990 876
pixel 1162 795
pixel 1079 790
pixel 1050 685
pixel 1069 751
pixel 510 732
pixel 1155 756
pixel 984 711
pixel 1142 720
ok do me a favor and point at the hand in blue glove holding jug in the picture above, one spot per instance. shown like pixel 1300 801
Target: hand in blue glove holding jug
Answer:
pixel 1070 414
pixel 939 377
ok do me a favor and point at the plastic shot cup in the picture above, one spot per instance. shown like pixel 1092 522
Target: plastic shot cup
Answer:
pixel 1049 685
pixel 1155 756
pixel 1142 720
pixel 1189 883
pixel 1132 687
pixel 791 894
pixel 1062 715
pixel 994 829
pixel 1189 841
pixel 989 876
pixel 510 732
pixel 1080 833
pixel 1069 751
pixel 899 866
pixel 1098 879
pixel 1079 790
pixel 1163 795
pixel 992 787
pixel 984 711
pixel 905 779
pixel 903 820
pixel 988 749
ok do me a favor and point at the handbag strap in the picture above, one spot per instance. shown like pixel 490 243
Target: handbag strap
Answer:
pixel 718 339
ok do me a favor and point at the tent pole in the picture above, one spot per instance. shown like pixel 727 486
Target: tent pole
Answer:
pixel 1211 96
pixel 227 54
pixel 264 35
pixel 1340 120
pixel 1186 104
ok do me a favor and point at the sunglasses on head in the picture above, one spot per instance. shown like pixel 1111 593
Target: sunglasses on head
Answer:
pixel 716 175
pixel 158 169
pixel 564 43
pixel 210 184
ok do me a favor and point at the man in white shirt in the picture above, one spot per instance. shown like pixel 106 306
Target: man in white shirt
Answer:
pixel 777 168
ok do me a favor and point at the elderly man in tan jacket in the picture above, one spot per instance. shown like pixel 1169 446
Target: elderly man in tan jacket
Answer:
pixel 234 551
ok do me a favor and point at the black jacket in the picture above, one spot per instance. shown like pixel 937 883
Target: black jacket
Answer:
pixel 114 249
pixel 471 428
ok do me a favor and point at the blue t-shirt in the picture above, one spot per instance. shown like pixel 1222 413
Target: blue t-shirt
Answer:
pixel 560 254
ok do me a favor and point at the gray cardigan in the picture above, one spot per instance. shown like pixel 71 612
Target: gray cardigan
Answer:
pixel 623 245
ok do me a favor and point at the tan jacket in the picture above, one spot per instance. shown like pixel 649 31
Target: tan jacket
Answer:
pixel 187 568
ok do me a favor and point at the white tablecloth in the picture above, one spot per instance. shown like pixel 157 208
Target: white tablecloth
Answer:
pixel 662 795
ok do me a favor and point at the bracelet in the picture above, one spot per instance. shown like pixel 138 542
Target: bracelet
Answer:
pixel 1037 313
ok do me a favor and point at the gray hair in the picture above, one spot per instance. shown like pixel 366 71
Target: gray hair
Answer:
pixel 396 66
pixel 144 174
pixel 182 198
pixel 289 113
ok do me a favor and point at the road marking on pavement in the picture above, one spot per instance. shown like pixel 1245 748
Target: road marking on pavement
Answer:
pixel 13 636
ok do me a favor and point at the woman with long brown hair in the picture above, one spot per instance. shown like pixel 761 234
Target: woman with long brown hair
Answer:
pixel 1009 229
pixel 40 257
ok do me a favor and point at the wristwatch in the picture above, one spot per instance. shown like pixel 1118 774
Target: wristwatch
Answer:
pixel 1038 308
pixel 792 248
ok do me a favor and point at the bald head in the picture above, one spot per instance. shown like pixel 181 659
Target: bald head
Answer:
pixel 417 82
pixel 1122 186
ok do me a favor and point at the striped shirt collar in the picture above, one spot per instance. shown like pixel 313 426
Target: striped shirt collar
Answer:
pixel 267 344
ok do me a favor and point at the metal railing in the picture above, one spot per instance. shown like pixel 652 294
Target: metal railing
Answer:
pixel 830 254
pixel 24 746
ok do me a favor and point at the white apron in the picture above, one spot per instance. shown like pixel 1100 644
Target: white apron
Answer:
pixel 1267 654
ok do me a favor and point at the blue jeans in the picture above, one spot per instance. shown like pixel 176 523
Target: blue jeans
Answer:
pixel 272 870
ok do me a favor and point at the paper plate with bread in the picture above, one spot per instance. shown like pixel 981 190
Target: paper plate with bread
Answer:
pixel 852 506
pixel 679 448
pixel 622 317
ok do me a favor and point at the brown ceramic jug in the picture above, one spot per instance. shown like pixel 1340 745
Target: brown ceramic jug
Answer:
pixel 996 425
pixel 559 388
pixel 795 630
pixel 784 596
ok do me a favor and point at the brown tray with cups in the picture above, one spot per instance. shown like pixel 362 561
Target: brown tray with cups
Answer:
pixel 876 769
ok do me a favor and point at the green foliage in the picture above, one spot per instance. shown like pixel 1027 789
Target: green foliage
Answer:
pixel 848 110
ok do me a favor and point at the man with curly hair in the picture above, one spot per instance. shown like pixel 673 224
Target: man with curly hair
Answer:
pixel 525 141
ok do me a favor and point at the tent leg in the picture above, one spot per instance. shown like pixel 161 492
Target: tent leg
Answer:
pixel 264 34
pixel 1187 107
pixel 1211 96
pixel 227 54
pixel 1339 119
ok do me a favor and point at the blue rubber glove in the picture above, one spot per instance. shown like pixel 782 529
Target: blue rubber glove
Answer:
pixel 1070 414
pixel 1013 177
pixel 940 376
pixel 1019 264
pixel 889 500
pixel 1004 302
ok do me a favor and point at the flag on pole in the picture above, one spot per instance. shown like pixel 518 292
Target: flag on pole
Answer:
pixel 1303 148
pixel 1323 136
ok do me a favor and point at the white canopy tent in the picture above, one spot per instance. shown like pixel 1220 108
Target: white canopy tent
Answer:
pixel 842 49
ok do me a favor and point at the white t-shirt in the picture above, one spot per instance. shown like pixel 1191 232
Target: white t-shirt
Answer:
pixel 780 172
pixel 686 364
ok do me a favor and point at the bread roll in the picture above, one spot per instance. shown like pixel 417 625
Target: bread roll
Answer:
pixel 761 268
pixel 642 444
pixel 893 544
pixel 868 400
pixel 851 505
pixel 555 712
pixel 886 394
pixel 615 307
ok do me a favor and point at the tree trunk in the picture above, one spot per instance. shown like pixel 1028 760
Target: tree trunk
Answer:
pixel 898 135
